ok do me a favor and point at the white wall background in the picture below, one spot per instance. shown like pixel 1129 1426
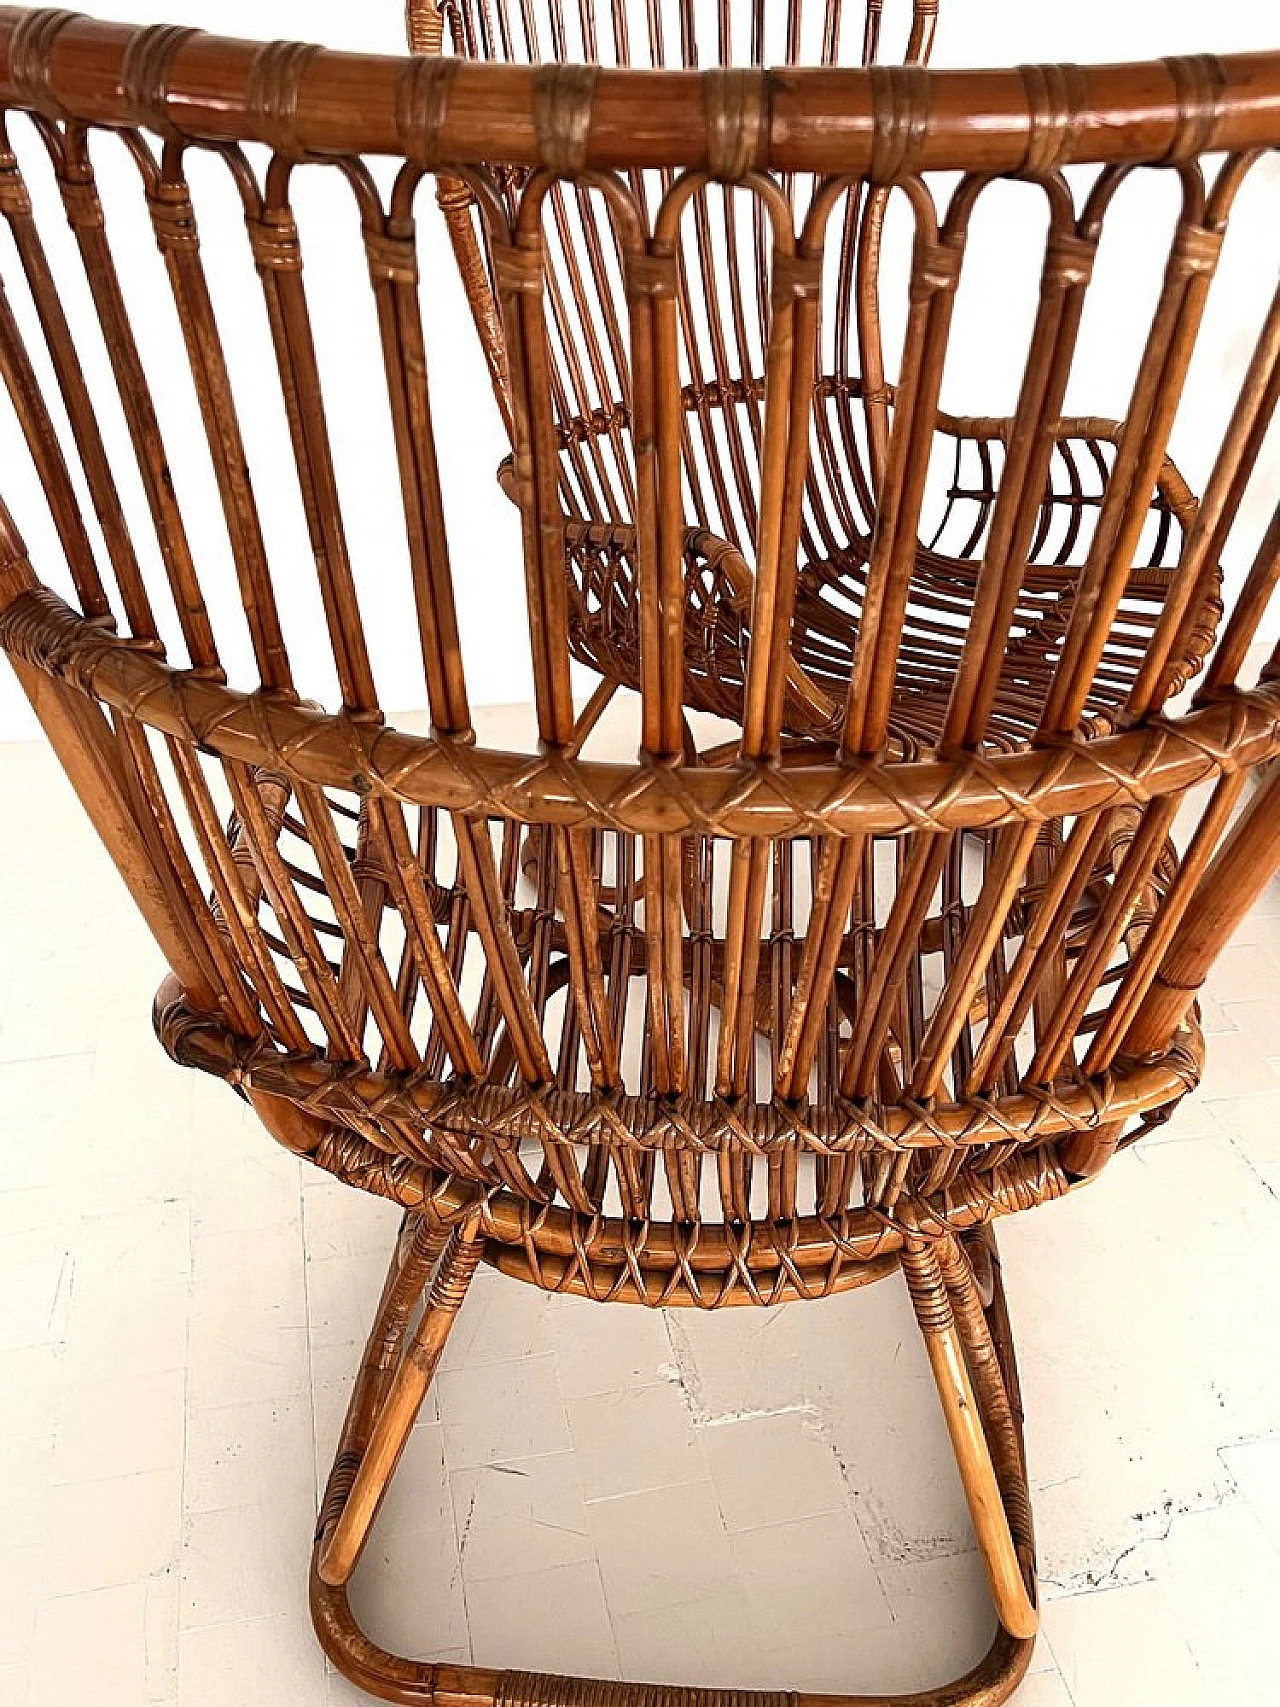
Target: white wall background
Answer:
pixel 988 343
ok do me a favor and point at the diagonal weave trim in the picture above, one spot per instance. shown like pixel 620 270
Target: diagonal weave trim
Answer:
pixel 751 798
pixel 533 1689
pixel 507 1116
pixel 661 1262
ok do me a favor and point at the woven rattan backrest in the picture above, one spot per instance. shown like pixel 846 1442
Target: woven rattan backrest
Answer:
pixel 647 986
pixel 732 244
pixel 725 244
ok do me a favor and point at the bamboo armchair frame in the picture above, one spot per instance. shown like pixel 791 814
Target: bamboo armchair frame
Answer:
pixel 729 1025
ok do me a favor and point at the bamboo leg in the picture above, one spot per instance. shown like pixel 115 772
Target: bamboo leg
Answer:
pixel 982 1264
pixel 1084 1154
pixel 924 1262
pixel 984 1343
pixel 996 1313
pixel 995 1402
pixel 397 1385
pixel 413 1260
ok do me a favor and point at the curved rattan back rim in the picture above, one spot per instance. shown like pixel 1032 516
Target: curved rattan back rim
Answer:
pixel 886 123
pixel 752 798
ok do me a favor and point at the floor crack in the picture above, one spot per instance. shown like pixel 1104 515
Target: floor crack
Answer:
pixel 682 1372
pixel 1097 1581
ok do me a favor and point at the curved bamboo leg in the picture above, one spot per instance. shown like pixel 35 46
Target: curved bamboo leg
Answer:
pixel 962 1356
pixel 391 1400
pixel 413 1260
pixel 996 1400
pixel 984 1347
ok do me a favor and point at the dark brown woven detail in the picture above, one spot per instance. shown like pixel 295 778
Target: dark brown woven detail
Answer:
pixel 275 79
pixel 923 1275
pixel 422 103
pixel 533 1689
pixel 1199 80
pixel 562 100
pixel 737 120
pixel 900 99
pixel 30 47
pixel 341 1477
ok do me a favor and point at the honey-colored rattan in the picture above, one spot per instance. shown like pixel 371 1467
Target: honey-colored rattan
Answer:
pixel 894 923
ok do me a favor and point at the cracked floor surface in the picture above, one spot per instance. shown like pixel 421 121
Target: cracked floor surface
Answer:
pixel 757 1498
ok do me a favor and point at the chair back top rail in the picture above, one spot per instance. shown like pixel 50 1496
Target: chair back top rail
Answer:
pixel 886 122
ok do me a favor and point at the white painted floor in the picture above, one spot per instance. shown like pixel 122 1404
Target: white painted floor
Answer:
pixel 760 1499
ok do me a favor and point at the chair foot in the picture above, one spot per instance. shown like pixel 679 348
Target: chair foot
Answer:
pixel 977 1357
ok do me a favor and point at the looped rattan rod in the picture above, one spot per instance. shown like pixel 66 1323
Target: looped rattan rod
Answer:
pixel 888 122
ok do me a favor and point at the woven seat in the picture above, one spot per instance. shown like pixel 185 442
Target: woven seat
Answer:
pixel 604 625
pixel 859 895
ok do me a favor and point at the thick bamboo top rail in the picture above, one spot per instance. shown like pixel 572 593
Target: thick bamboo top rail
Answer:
pixel 885 123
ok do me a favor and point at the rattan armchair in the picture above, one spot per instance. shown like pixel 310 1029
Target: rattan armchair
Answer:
pixel 756 1017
